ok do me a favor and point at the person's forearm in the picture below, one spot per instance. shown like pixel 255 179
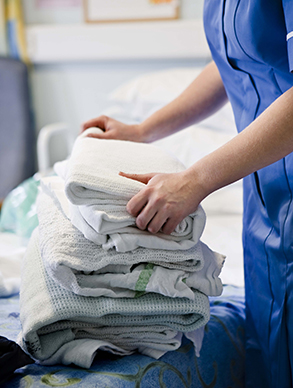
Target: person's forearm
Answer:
pixel 167 198
pixel 268 139
pixel 202 98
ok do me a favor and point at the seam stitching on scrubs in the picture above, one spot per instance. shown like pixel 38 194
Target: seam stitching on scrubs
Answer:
pixel 257 186
pixel 282 240
pixel 227 57
pixel 240 45
pixel 283 250
pixel 270 284
pixel 256 91
pixel 277 83
pixel 287 213
pixel 236 36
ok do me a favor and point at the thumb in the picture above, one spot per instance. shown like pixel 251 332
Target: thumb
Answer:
pixel 99 134
pixel 143 178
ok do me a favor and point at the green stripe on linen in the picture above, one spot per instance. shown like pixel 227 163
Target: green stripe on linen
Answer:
pixel 143 280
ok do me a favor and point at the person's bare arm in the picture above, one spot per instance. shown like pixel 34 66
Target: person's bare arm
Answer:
pixel 204 96
pixel 168 198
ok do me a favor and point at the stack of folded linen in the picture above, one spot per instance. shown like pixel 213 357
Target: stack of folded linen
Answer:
pixel 91 280
pixel 98 194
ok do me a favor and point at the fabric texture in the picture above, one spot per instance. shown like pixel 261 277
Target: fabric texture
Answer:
pixel 139 295
pixel 81 266
pixel 218 366
pixel 53 317
pixel 99 195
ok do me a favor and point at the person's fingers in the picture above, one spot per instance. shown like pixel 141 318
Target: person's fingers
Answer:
pixel 99 122
pixel 160 205
pixel 137 203
pixel 157 221
pixel 170 225
pixel 143 178
pixel 145 217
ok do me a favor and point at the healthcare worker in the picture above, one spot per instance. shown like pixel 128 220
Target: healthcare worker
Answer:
pixel 251 42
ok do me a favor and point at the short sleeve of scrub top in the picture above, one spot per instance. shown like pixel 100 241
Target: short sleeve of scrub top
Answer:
pixel 288 13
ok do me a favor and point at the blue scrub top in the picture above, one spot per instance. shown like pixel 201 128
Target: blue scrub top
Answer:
pixel 251 42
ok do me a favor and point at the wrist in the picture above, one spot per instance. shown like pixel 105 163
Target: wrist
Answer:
pixel 198 182
pixel 135 133
pixel 143 133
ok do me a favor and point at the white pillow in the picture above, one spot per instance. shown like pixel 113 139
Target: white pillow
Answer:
pixel 142 96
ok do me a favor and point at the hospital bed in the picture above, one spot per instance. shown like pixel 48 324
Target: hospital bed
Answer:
pixel 221 363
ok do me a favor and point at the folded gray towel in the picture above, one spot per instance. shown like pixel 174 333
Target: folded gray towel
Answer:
pixel 53 318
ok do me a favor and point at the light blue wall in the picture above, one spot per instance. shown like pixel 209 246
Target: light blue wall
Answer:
pixel 190 9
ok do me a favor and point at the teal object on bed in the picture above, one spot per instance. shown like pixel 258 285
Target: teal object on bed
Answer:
pixel 18 213
pixel 221 363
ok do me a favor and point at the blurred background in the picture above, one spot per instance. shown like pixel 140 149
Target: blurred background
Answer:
pixel 74 63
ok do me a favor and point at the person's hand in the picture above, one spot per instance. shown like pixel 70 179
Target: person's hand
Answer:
pixel 113 129
pixel 164 202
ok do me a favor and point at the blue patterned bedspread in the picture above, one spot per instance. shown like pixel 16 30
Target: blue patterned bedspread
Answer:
pixel 220 365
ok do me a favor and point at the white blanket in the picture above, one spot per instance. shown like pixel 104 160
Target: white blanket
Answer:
pixel 98 194
pixel 60 326
pixel 87 269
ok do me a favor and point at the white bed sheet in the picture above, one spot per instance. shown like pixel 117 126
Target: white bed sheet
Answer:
pixel 12 249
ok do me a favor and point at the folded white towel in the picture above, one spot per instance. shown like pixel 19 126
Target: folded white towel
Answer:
pixel 86 269
pixel 98 194
pixel 190 260
pixel 53 318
